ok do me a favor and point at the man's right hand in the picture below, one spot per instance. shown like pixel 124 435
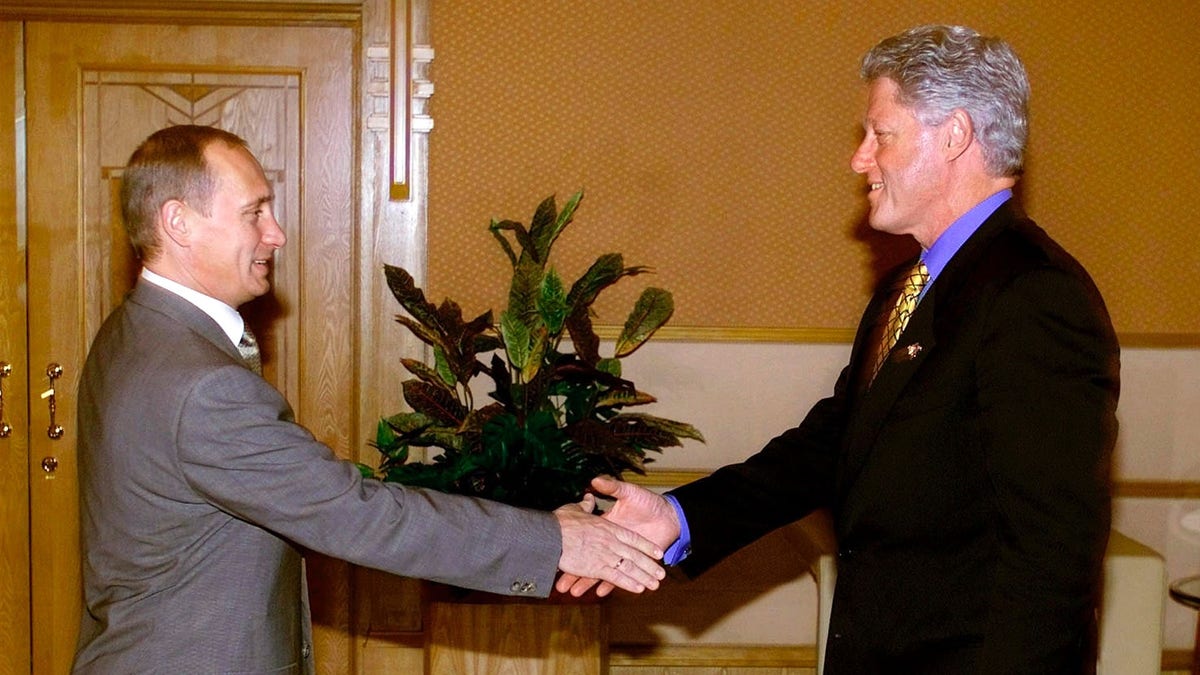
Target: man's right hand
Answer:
pixel 640 510
pixel 597 549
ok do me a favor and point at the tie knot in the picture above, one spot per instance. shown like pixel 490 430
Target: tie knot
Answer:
pixel 248 348
pixel 916 279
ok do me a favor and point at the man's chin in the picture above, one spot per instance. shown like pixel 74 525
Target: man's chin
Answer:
pixel 884 225
pixel 255 294
pixel 879 225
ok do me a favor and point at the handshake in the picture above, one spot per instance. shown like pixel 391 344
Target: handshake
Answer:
pixel 620 549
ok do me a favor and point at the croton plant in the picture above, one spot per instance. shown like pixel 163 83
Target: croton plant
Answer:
pixel 559 411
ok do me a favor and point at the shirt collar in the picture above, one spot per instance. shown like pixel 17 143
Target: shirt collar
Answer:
pixel 942 250
pixel 226 317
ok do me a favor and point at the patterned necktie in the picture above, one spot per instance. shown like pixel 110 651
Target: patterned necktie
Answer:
pixel 910 291
pixel 248 347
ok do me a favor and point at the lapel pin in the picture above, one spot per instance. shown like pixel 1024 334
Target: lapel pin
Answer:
pixel 908 353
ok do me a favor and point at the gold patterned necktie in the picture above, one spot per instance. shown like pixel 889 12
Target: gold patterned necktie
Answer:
pixel 248 347
pixel 910 291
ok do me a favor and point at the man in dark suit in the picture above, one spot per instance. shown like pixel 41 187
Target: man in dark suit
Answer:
pixel 198 491
pixel 966 464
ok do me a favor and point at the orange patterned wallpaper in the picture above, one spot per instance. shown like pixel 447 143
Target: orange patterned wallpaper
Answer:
pixel 712 140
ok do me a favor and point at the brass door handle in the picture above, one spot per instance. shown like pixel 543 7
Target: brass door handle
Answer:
pixel 53 371
pixel 5 427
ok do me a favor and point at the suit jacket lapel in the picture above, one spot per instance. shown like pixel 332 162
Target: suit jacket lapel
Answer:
pixel 875 399
pixel 160 300
pixel 949 294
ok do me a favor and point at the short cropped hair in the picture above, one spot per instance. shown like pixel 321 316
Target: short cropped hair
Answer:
pixel 170 164
pixel 940 68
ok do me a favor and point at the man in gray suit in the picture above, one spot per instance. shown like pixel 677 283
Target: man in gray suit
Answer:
pixel 199 491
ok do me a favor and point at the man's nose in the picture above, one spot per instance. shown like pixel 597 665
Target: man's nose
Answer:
pixel 274 234
pixel 861 160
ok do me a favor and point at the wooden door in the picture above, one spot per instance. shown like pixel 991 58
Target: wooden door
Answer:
pixel 93 92
pixel 14 437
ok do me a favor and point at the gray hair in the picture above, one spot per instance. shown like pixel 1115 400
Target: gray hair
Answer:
pixel 940 68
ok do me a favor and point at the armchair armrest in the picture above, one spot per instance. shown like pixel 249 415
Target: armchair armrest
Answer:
pixel 1131 613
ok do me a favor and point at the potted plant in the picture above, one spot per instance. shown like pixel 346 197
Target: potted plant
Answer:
pixel 558 411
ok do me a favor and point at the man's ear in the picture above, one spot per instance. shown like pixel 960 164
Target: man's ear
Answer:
pixel 959 132
pixel 173 217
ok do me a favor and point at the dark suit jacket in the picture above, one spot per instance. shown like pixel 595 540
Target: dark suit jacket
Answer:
pixel 198 493
pixel 968 484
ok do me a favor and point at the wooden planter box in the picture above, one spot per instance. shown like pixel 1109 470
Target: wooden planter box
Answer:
pixel 474 633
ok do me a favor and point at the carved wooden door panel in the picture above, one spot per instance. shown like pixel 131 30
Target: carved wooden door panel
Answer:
pixel 93 92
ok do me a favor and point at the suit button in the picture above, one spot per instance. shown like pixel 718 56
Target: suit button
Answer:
pixel 306 651
pixel 523 587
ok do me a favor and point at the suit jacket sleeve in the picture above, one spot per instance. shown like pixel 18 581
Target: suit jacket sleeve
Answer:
pixel 240 451
pixel 1047 396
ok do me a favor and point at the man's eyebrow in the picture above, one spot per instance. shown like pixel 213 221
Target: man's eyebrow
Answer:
pixel 265 199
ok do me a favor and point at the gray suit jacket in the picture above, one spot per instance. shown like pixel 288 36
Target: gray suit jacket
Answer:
pixel 198 493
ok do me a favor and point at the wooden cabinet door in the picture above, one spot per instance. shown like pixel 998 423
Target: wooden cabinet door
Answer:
pixel 93 92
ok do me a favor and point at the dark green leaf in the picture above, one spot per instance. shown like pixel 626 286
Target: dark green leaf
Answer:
pixel 421 370
pixel 541 230
pixel 425 334
pixel 451 439
pixel 497 228
pixel 524 291
pixel 516 339
pixel 620 398
pixel 583 336
pixel 604 272
pixel 678 429
pixel 521 235
pixel 411 298
pixel 651 311
pixel 538 344
pixel 444 370
pixel 552 302
pixel 437 402
pixel 487 343
pixel 549 226
pixel 610 366
pixel 409 423
pixel 477 419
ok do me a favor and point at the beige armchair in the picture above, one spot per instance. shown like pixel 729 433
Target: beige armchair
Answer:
pixel 1131 617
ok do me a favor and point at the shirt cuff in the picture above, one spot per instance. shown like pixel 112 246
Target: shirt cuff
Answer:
pixel 682 547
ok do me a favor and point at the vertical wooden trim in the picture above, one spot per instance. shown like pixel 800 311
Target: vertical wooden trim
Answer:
pixel 391 231
pixel 401 50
